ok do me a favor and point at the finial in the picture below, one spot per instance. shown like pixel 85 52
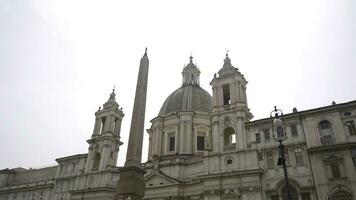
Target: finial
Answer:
pixel 146 51
pixel 191 57
pixel 227 52
pixel 113 90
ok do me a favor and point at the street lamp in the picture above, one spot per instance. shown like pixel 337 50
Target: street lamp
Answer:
pixel 279 135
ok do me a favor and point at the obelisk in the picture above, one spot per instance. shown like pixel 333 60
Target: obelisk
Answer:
pixel 131 184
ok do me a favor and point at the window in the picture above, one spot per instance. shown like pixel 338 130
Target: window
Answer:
pixel 200 143
pixel 298 155
pixel 326 133
pixel 294 130
pixel 267 134
pixel 96 161
pixel 259 156
pixel 324 125
pixel 292 191
pixel 226 94
pixel 172 142
pixel 353 155
pixel 73 166
pixel 258 137
pixel 306 196
pixel 351 127
pixel 270 160
pixel 335 169
pixel 102 125
pixel 229 136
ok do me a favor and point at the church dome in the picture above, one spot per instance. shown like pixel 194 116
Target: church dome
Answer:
pixel 187 98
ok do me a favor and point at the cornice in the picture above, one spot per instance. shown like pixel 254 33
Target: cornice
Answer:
pixel 328 148
pixel 305 113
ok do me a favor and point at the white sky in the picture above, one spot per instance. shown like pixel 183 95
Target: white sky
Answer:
pixel 59 61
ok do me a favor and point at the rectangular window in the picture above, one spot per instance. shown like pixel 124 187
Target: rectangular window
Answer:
pixel 353 155
pixel 335 170
pixel 327 140
pixel 172 143
pixel 294 130
pixel 103 119
pixel 351 127
pixel 259 156
pixel 200 143
pixel 270 160
pixel 298 156
pixel 267 134
pixel 258 137
pixel 226 94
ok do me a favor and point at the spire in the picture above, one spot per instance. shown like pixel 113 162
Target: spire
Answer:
pixel 190 73
pixel 111 101
pixel 112 95
pixel 227 67
pixel 227 61
pixel 144 57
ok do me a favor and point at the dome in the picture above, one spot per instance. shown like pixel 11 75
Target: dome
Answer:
pixel 187 98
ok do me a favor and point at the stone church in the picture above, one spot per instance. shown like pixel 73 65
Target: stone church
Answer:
pixel 208 147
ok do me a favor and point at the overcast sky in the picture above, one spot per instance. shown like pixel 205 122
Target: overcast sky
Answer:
pixel 59 61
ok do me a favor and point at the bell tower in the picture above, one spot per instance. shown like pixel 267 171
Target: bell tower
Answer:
pixel 105 140
pixel 230 110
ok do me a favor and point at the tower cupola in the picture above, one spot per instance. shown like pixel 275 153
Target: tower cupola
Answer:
pixel 190 73
pixel 227 68
pixel 111 103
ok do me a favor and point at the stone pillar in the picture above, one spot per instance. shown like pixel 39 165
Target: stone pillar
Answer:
pixel 215 134
pixel 97 124
pixel 131 183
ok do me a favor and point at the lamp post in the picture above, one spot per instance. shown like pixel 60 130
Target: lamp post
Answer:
pixel 279 135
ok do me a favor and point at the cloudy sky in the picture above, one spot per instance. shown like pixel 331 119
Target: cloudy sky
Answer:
pixel 59 61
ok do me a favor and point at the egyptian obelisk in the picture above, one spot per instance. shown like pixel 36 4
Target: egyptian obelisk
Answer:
pixel 131 183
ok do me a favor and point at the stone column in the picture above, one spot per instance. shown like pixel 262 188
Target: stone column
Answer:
pixel 131 183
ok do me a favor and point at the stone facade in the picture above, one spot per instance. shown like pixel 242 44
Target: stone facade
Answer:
pixel 208 147
pixel 84 176
pixel 216 152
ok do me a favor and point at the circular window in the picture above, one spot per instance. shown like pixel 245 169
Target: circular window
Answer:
pixel 347 113
pixel 229 161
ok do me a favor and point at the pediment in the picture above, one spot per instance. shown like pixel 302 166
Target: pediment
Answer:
pixel 159 179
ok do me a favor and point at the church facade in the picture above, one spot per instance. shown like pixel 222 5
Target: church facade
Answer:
pixel 208 147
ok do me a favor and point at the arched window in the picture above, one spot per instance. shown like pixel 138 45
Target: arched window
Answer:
pixel 326 133
pixel 97 158
pixel 229 136
pixel 292 190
